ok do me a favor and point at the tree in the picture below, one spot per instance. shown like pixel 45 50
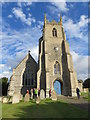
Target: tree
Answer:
pixel 86 83
pixel 4 84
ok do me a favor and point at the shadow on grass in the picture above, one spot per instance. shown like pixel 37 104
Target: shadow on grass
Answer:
pixel 49 110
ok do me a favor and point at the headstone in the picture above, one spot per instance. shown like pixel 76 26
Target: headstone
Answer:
pixel 31 93
pixel 21 97
pixel 54 95
pixel 38 100
pixel 26 98
pixel 15 98
pixel 42 94
pixel 10 99
pixel 5 100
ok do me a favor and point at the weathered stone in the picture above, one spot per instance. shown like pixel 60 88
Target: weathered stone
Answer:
pixel 38 100
pixel 27 97
pixel 21 97
pixel 31 93
pixel 55 60
pixel 21 79
pixel 15 98
pixel 54 95
pixel 42 94
pixel 10 99
pixel 5 100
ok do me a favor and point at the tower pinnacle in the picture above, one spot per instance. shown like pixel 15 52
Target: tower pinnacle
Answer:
pixel 61 20
pixel 45 19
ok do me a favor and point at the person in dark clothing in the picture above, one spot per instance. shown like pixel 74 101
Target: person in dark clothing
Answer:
pixel 78 93
pixel 35 93
pixel 50 92
pixel 38 92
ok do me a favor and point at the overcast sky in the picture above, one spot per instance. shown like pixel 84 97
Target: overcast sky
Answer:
pixel 22 24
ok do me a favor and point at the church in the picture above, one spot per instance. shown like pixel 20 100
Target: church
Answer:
pixel 54 65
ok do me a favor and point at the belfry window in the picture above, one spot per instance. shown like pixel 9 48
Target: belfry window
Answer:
pixel 56 68
pixel 54 32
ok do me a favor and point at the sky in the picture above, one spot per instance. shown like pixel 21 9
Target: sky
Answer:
pixel 21 26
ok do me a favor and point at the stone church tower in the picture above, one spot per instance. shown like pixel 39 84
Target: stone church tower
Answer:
pixel 55 60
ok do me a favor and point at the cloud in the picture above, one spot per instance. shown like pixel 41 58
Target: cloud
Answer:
pixel 21 47
pixel 81 65
pixel 40 24
pixel 19 14
pixel 58 6
pixel 10 16
pixel 6 74
pixel 2 65
pixel 15 46
pixel 78 29
pixel 28 3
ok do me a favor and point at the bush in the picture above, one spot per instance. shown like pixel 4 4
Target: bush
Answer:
pixel 4 84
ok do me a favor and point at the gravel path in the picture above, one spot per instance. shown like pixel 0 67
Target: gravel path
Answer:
pixel 82 103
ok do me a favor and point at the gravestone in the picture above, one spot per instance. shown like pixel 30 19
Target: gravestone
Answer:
pixel 15 98
pixel 31 93
pixel 54 95
pixel 26 98
pixel 10 99
pixel 38 100
pixel 21 97
pixel 4 100
pixel 42 94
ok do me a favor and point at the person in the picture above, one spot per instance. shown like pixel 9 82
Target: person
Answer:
pixel 30 93
pixel 27 91
pixel 39 92
pixel 50 92
pixel 78 93
pixel 35 93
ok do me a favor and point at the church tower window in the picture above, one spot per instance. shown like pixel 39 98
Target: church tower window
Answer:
pixel 56 68
pixel 54 32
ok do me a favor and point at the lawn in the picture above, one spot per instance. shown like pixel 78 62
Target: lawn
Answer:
pixel 46 109
pixel 86 96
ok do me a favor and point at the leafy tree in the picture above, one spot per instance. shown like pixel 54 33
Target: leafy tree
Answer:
pixel 86 83
pixel 4 85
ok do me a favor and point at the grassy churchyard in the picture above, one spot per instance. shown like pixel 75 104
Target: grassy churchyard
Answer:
pixel 45 109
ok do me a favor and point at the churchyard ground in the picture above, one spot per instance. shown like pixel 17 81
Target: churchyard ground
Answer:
pixel 45 109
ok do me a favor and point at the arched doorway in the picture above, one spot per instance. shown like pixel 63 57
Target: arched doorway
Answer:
pixel 58 87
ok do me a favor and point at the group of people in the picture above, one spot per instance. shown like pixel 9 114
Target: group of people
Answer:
pixel 34 93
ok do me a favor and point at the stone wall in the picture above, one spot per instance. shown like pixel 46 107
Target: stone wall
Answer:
pixel 25 68
pixel 54 49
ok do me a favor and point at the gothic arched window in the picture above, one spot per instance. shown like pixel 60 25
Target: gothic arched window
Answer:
pixel 56 68
pixel 55 71
pixel 54 32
